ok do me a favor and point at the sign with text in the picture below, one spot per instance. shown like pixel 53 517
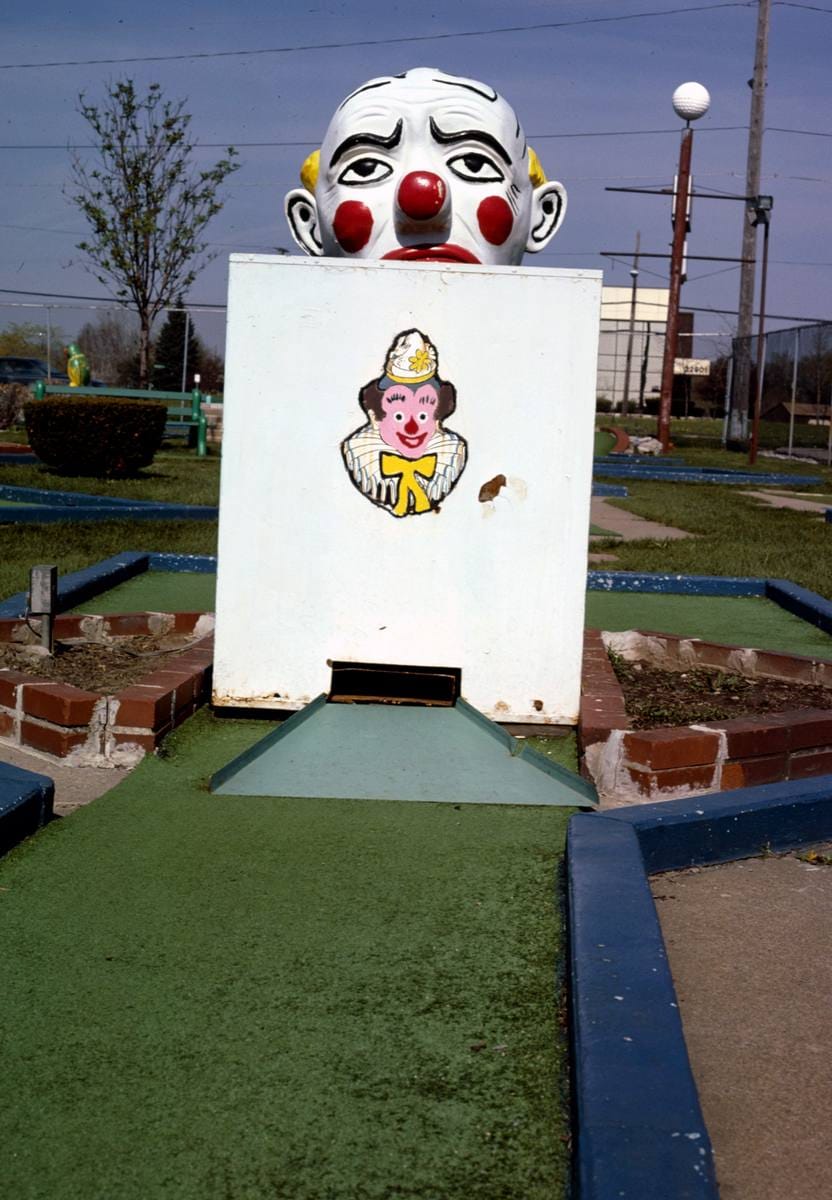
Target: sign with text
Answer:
pixel 406 478
pixel 691 366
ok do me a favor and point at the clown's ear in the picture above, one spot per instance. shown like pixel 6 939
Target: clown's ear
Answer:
pixel 302 215
pixel 548 210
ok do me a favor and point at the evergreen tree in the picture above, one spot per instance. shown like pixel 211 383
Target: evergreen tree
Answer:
pixel 170 355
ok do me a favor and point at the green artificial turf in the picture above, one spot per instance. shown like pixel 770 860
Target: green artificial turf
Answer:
pixel 738 620
pixel 604 442
pixel 157 591
pixel 85 543
pixel 314 999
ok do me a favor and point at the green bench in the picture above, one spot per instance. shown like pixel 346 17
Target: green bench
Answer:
pixel 184 408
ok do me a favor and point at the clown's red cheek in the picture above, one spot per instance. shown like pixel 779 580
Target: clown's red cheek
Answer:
pixel 352 225
pixel 495 220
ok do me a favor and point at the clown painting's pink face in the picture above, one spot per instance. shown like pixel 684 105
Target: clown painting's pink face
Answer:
pixel 425 167
pixel 409 420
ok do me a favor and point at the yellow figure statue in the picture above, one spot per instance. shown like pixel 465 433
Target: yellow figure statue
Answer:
pixel 77 367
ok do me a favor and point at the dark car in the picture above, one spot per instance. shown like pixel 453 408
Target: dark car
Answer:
pixel 16 369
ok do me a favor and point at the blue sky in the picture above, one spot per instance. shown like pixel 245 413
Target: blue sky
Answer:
pixel 606 77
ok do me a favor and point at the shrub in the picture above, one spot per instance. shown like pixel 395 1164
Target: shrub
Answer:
pixel 95 435
pixel 603 404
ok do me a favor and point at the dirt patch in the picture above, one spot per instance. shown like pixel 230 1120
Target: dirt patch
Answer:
pixel 654 697
pixel 103 667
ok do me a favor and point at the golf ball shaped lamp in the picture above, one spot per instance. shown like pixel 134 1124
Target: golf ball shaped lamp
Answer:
pixel 691 101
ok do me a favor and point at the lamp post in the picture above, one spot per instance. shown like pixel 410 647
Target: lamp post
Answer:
pixel 690 102
pixel 759 213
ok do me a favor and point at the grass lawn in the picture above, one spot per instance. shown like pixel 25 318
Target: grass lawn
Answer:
pixel 686 432
pixel 737 535
pixel 174 475
pixel 297 999
pixel 80 545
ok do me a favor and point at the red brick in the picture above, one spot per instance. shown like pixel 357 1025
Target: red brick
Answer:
pixel 812 727
pixel 48 738
pixel 784 666
pixel 59 703
pixel 9 626
pixel 750 736
pixel 68 625
pixel 752 771
pixel 185 622
pixel 126 624
pixel 9 683
pixel 144 706
pixel 694 777
pixel 147 741
pixel 712 654
pixel 663 749
pixel 6 724
pixel 807 763
pixel 179 682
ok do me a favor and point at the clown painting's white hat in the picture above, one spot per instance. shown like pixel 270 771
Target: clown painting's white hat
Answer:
pixel 411 359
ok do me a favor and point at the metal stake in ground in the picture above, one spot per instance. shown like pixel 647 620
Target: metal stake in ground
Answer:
pixel 43 593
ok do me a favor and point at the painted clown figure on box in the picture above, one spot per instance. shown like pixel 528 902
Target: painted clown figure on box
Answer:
pixel 404 459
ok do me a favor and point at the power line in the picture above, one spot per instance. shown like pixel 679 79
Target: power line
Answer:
pixel 536 137
pixel 391 41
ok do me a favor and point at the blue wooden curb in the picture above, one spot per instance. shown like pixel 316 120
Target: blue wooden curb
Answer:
pixel 26 800
pixel 639 1127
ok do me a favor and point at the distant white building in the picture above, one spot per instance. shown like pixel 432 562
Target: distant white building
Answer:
pixel 648 344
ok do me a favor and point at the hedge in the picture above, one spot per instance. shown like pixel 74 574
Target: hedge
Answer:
pixel 95 435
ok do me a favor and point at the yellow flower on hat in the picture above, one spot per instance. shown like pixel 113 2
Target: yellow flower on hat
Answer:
pixel 420 361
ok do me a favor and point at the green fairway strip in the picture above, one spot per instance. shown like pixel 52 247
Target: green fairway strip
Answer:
pixel 740 621
pixel 157 591
pixel 597 531
pixel 211 997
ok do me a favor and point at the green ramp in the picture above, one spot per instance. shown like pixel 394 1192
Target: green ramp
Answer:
pixel 450 755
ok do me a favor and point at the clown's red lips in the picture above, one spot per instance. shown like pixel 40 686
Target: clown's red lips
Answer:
pixel 443 252
pixel 412 443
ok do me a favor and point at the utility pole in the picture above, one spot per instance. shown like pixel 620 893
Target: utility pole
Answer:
pixel 625 399
pixel 738 427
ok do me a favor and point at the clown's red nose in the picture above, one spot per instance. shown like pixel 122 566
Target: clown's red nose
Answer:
pixel 411 427
pixel 421 195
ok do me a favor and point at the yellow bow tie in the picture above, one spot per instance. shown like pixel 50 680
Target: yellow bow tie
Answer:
pixel 394 464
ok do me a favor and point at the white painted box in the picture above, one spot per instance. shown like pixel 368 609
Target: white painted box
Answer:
pixel 361 520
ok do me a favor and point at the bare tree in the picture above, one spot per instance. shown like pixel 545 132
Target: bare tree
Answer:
pixel 147 207
pixel 110 343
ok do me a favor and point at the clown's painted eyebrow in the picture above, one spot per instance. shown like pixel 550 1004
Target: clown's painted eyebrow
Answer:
pixel 470 135
pixel 369 139
pixel 490 94
pixel 366 88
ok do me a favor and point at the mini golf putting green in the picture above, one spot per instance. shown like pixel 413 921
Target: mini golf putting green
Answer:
pixel 248 997
pixel 157 591
pixel 737 620
pixel 743 621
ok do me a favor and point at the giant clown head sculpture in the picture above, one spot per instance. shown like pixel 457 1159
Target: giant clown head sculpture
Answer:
pixel 425 167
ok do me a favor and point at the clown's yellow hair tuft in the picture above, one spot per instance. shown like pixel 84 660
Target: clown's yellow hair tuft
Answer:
pixel 309 170
pixel 536 172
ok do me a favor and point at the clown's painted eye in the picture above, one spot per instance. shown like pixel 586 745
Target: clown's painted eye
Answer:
pixel 423 417
pixel 399 416
pixel 365 170
pixel 476 168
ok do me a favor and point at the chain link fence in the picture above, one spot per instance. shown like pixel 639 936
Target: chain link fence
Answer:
pixel 796 397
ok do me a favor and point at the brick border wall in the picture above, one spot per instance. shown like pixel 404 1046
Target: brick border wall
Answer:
pixel 87 729
pixel 630 766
